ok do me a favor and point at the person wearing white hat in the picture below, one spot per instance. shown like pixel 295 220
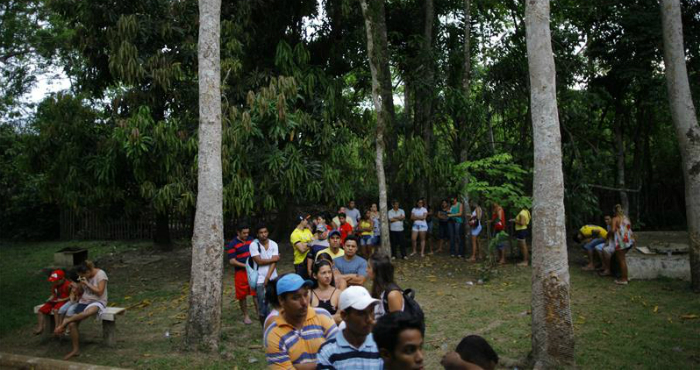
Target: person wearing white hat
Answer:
pixel 354 346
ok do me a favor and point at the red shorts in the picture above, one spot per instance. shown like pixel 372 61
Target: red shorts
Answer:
pixel 242 288
pixel 49 306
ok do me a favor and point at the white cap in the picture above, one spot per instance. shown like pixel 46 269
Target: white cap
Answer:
pixel 356 297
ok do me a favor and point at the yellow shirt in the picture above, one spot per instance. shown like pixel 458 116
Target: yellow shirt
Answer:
pixel 285 346
pixel 366 225
pixel 303 236
pixel 523 218
pixel 328 250
pixel 588 231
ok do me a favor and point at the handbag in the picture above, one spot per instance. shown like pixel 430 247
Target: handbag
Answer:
pixel 251 269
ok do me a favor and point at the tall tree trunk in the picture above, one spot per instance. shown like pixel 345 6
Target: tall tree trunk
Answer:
pixel 466 74
pixel 687 130
pixel 620 159
pixel 552 329
pixel 206 293
pixel 161 237
pixel 382 96
pixel 427 91
pixel 466 83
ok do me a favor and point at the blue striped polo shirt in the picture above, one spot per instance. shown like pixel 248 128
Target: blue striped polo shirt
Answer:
pixel 339 354
pixel 285 346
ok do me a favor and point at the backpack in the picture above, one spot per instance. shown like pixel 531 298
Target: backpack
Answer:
pixel 410 305
pixel 251 269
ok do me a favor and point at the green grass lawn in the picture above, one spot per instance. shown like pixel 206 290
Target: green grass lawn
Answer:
pixel 639 326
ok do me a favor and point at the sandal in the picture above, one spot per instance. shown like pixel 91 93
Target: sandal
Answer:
pixel 621 282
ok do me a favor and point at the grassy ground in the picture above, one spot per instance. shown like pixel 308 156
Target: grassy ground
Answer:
pixel 639 326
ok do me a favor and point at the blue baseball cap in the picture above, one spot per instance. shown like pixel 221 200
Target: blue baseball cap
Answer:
pixel 333 232
pixel 291 283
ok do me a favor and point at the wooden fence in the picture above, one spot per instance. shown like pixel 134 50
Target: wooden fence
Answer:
pixel 88 225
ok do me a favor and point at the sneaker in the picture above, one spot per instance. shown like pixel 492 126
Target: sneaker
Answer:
pixel 404 257
pixel 393 258
pixel 452 256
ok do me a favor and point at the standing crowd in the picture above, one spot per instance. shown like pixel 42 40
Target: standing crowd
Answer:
pixel 321 316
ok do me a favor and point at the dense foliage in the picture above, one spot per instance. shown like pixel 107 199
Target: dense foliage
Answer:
pixel 297 112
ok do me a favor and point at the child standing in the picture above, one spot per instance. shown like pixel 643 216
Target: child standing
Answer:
pixel 60 292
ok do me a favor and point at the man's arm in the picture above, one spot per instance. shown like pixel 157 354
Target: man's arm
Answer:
pixel 262 262
pixel 235 263
pixel 301 247
pixel 272 268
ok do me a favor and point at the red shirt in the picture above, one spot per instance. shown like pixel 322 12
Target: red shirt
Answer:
pixel 345 230
pixel 499 217
pixel 60 291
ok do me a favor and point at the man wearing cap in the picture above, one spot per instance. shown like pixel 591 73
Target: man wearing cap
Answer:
pixel 293 340
pixel 334 245
pixel 301 239
pixel 319 243
pixel 60 293
pixel 354 347
pixel 353 268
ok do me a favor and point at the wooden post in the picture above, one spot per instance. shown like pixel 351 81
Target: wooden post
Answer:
pixel 109 333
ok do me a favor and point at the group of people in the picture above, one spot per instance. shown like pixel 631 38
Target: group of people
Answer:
pixel 321 315
pixel 73 300
pixel 613 240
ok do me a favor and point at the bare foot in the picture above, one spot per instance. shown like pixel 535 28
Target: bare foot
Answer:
pixel 501 262
pixel 37 331
pixel 59 329
pixel 247 321
pixel 72 354
pixel 473 259
pixel 524 264
pixel 588 268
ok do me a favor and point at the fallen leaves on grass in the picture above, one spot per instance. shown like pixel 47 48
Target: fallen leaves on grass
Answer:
pixel 656 309
pixel 689 317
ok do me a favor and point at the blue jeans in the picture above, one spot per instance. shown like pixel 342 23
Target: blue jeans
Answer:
pixel 593 243
pixel 263 310
pixel 454 231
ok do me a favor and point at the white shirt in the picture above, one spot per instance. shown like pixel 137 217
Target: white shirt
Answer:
pixel 256 249
pixel 396 225
pixel 419 212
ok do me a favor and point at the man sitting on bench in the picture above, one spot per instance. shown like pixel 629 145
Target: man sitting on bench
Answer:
pixel 93 301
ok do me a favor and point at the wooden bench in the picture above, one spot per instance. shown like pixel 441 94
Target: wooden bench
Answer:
pixel 108 318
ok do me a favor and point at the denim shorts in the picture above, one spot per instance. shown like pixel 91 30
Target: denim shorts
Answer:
pixel 365 240
pixel 420 227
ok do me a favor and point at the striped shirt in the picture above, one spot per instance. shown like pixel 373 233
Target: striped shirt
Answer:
pixel 240 250
pixel 339 354
pixel 285 346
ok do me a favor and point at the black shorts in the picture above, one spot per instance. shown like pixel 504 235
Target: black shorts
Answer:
pixel 521 234
pixel 443 231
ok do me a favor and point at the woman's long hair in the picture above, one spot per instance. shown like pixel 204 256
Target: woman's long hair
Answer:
pixel 383 273
pixel 619 211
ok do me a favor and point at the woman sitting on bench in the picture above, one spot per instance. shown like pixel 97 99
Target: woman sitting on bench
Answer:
pixel 93 301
